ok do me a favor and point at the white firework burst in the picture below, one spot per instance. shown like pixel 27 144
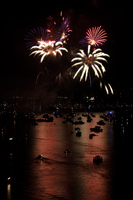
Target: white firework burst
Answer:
pixel 46 48
pixel 91 60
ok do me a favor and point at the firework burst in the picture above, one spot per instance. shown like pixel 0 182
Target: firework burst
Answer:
pixel 34 35
pixel 46 48
pixel 95 37
pixel 64 31
pixel 91 60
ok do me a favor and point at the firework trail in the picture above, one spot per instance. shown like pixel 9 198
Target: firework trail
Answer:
pixel 95 37
pixel 91 60
pixel 46 48
pixel 108 88
pixel 64 31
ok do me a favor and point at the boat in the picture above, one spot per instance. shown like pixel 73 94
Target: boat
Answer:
pixel 47 119
pixel 78 134
pixel 101 122
pixel 96 129
pixel 66 151
pixel 77 122
pixel 77 128
pixel 89 119
pixel 8 180
pixel 97 159
pixel 85 114
pixel 40 157
pixel 91 135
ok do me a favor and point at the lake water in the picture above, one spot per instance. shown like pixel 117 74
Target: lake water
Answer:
pixel 71 176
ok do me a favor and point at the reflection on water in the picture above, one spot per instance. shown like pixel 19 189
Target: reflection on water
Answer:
pixel 59 175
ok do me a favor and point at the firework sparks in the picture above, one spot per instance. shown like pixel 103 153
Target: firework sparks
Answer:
pixel 95 37
pixel 64 31
pixel 108 88
pixel 91 60
pixel 34 35
pixel 46 48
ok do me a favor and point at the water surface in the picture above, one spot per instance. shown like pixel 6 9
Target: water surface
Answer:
pixel 71 176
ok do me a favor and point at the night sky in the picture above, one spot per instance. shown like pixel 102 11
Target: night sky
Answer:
pixel 19 71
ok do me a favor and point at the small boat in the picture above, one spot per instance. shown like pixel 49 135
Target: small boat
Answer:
pixel 78 122
pixel 66 151
pixel 49 119
pixel 93 115
pixel 96 129
pixel 8 180
pixel 85 114
pixel 97 159
pixel 91 135
pixel 101 122
pixel 39 157
pixel 78 134
pixel 89 119
pixel 77 128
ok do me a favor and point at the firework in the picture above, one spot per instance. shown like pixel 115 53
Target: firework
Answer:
pixel 108 88
pixel 59 28
pixel 64 31
pixel 91 60
pixel 95 37
pixel 46 48
pixel 34 35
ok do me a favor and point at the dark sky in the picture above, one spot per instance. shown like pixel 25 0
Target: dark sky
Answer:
pixel 19 71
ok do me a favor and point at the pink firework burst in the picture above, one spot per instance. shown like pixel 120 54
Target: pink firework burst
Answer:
pixel 96 36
